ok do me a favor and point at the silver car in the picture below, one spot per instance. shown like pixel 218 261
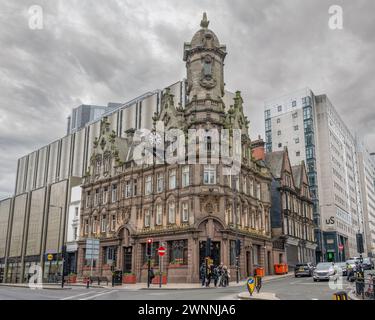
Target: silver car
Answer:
pixel 323 271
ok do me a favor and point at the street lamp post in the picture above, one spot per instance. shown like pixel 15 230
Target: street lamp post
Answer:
pixel 58 244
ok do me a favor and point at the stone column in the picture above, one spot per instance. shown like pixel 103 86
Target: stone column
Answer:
pixel 193 259
pixel 80 261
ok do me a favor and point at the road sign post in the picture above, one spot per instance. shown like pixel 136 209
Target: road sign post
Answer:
pixel 250 285
pixel 149 254
pixel 161 253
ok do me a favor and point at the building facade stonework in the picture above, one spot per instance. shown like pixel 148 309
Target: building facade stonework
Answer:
pixel 181 205
pixel 291 211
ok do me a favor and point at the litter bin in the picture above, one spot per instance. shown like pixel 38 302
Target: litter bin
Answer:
pixel 117 278
pixel 259 272
pixel 280 268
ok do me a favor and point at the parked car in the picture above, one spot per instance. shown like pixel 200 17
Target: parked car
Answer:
pixel 303 269
pixel 323 271
pixel 368 264
pixel 341 267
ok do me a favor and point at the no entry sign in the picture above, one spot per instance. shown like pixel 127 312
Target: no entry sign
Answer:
pixel 161 251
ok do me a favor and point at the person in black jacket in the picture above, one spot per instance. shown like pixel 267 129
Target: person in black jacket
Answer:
pixel 152 274
pixel 215 274
pixel 202 274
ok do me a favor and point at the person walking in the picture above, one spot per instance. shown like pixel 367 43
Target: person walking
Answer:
pixel 219 274
pixel 224 276
pixel 215 275
pixel 202 274
pixel 209 276
pixel 152 274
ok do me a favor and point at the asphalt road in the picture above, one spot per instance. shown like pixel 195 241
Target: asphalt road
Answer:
pixel 289 288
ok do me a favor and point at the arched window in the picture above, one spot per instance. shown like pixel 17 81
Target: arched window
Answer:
pixel 159 215
pixel 147 218
pixel 171 213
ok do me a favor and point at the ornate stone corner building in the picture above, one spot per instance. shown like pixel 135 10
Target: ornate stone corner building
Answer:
pixel 179 206
pixel 291 211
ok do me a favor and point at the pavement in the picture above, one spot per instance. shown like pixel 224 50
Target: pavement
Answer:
pixel 142 286
pixel 284 287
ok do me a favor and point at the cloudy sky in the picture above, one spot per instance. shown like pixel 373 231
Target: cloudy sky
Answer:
pixel 94 52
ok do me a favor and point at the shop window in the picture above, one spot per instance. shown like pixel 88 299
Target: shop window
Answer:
pixel 178 252
pixel 110 255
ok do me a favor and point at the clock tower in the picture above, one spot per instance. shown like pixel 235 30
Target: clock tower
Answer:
pixel 204 57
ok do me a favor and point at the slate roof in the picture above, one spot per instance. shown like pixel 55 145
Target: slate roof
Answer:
pixel 297 172
pixel 274 161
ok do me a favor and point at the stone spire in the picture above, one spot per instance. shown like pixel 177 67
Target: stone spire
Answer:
pixel 204 22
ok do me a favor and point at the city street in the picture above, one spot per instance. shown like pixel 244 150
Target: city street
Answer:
pixel 288 288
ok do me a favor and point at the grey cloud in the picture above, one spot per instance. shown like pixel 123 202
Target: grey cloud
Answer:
pixel 95 52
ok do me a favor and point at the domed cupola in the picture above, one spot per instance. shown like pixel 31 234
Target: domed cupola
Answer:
pixel 204 57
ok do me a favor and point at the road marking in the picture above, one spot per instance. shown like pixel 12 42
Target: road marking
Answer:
pixel 313 284
pixel 98 295
pixel 78 295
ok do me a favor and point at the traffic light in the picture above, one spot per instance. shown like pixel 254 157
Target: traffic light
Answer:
pixel 330 257
pixel 238 247
pixel 208 247
pixel 360 243
pixel 63 252
pixel 149 247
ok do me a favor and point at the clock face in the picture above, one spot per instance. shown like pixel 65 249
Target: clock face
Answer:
pixel 154 138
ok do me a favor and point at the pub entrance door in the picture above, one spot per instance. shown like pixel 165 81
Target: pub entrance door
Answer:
pixel 128 253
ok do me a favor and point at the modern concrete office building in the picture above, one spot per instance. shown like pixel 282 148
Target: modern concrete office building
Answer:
pixel 84 114
pixel 313 131
pixel 366 167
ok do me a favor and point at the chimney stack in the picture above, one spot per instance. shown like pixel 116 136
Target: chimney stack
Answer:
pixel 258 150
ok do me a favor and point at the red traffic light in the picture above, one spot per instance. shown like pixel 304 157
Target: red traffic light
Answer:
pixel 149 240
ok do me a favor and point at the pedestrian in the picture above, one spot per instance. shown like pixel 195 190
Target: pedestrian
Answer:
pixel 216 276
pixel 151 274
pixel 202 274
pixel 219 272
pixel 208 276
pixel 228 277
pixel 224 277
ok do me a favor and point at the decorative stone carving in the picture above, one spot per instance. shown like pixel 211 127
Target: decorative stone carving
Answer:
pixel 209 208
pixel 207 80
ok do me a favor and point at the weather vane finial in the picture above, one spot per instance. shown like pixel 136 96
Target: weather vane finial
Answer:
pixel 204 22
